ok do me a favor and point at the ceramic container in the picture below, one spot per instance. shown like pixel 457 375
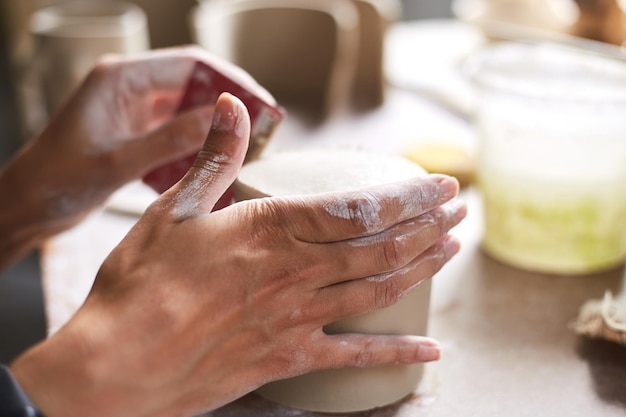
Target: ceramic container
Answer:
pixel 70 37
pixel 352 389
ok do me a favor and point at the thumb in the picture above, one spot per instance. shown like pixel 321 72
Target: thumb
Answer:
pixel 217 164
pixel 175 140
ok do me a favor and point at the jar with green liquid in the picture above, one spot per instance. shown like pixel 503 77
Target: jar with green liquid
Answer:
pixel 552 157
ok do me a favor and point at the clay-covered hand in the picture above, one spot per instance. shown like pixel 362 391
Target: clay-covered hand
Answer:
pixel 195 309
pixel 117 126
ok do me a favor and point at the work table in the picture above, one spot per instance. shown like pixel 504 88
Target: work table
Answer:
pixel 507 346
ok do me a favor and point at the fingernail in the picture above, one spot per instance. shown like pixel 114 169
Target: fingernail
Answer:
pixel 428 352
pixel 439 178
pixel 448 187
pixel 451 246
pixel 229 114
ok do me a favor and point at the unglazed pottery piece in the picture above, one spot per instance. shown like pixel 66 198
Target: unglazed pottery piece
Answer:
pixel 324 170
pixel 306 61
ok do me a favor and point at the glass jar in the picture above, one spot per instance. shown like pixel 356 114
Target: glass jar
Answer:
pixel 552 157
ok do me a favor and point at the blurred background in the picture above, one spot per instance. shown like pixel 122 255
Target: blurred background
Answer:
pixel 453 28
pixel 167 20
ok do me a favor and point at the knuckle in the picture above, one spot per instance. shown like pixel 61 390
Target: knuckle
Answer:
pixel 437 218
pixel 267 222
pixel 432 225
pixel 264 212
pixel 364 357
pixel 367 210
pixel 387 293
pixel 292 359
pixel 394 253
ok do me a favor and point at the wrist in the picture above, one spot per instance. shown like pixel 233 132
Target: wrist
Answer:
pixel 74 372
pixel 55 377
pixel 14 402
pixel 24 215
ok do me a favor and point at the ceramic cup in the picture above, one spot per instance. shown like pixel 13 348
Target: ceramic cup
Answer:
pixel 350 389
pixel 70 37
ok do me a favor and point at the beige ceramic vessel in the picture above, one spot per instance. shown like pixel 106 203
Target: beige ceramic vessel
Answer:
pixel 352 389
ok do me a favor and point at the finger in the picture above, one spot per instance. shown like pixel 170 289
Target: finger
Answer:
pixel 382 290
pixel 163 107
pixel 217 164
pixel 177 139
pixel 340 216
pixel 170 68
pixel 387 251
pixel 361 350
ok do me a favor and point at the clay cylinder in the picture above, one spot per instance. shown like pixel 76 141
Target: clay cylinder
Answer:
pixel 349 389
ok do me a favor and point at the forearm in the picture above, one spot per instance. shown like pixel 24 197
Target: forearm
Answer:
pixel 24 223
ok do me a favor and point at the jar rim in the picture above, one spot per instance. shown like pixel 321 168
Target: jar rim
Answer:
pixel 547 71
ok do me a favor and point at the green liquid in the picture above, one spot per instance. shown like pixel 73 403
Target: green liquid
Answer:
pixel 553 228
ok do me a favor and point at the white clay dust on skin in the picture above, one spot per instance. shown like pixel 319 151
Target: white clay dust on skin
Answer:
pixel 416 226
pixel 436 257
pixel 366 212
pixel 65 202
pixel 228 118
pixel 189 201
pixel 367 209
pixel 144 75
pixel 412 199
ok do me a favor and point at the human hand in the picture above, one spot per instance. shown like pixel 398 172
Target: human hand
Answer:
pixel 119 125
pixel 195 309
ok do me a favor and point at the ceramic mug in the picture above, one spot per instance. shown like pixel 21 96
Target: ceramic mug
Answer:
pixel 70 37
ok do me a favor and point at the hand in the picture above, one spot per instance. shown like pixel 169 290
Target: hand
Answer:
pixel 119 125
pixel 195 309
